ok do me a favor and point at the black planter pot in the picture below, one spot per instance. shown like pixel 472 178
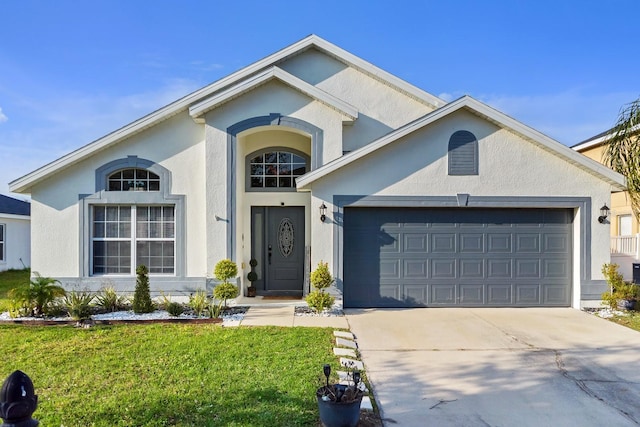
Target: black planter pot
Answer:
pixel 626 304
pixel 338 414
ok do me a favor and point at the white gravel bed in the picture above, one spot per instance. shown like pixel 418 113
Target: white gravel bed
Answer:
pixel 227 320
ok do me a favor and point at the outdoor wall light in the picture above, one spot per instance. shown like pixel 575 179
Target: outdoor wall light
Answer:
pixel 604 214
pixel 323 211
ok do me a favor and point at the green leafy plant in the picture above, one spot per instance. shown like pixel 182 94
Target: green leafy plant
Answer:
pixel 142 297
pixel 618 289
pixel 36 297
pixel 225 291
pixel 174 308
pixel 109 300
pixel 214 308
pixel 198 302
pixel 78 305
pixel 223 271
pixel 321 279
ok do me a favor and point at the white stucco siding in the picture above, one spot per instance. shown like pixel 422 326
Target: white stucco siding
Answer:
pixel 177 144
pixel 17 242
pixel 381 107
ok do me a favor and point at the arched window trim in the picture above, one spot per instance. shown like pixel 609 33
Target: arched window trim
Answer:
pixel 247 168
pixel 463 153
pixel 132 162
pixel 149 182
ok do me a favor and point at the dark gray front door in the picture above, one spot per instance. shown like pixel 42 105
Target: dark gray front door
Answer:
pixel 457 257
pixel 277 246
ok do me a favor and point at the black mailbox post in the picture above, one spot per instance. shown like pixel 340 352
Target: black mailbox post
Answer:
pixel 18 401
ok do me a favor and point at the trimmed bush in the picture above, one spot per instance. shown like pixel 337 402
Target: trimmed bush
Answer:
pixel 320 279
pixel 142 297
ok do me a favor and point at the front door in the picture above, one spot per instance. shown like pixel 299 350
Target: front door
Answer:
pixel 277 249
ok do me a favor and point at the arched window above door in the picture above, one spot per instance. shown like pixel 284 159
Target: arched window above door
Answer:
pixel 275 169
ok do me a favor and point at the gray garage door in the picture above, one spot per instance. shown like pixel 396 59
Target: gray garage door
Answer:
pixel 399 257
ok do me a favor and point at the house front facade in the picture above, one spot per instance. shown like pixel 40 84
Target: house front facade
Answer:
pixel 313 154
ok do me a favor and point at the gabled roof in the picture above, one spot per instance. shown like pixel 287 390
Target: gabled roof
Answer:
pixel 482 110
pixel 198 110
pixel 23 184
pixel 11 206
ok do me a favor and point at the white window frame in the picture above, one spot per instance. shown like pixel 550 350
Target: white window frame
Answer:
pixel 133 238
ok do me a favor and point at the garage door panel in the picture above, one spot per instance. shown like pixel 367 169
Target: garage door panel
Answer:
pixel 443 243
pixel 443 268
pixel 527 269
pixel 555 294
pixel 443 294
pixel 471 268
pixel 499 268
pixel 498 242
pixel 499 295
pixel 528 295
pixel 472 295
pixel 471 242
pixel 399 257
pixel 415 243
pixel 416 268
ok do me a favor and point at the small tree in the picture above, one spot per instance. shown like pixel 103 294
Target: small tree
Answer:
pixel 622 151
pixel 142 298
pixel 223 271
pixel 320 279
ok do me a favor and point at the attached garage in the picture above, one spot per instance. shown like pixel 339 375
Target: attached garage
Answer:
pixel 457 257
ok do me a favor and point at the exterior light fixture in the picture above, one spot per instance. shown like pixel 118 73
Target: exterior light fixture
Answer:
pixel 323 211
pixel 604 214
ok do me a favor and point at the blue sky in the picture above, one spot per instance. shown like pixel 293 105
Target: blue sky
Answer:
pixel 72 71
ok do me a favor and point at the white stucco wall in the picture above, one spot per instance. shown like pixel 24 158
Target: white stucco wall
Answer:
pixel 17 242
pixel 177 144
pixel 509 166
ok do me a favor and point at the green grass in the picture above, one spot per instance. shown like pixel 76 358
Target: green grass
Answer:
pixel 631 320
pixel 170 375
pixel 8 280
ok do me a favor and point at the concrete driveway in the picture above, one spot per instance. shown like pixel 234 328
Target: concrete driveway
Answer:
pixel 499 367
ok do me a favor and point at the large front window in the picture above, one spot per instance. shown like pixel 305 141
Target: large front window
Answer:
pixel 145 234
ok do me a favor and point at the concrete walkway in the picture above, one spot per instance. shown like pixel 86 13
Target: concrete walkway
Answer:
pixel 284 315
pixel 499 367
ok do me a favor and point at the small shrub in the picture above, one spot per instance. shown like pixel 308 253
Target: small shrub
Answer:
pixel 225 270
pixel 78 305
pixel 198 302
pixel 109 300
pixel 618 288
pixel 319 300
pixel 225 291
pixel 142 297
pixel 320 279
pixel 214 308
pixel 175 309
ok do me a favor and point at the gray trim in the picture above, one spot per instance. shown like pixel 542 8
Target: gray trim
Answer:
pixel 133 162
pixel 588 287
pixel 103 197
pixel 247 169
pixel 3 240
pixel 273 119
pixel 173 285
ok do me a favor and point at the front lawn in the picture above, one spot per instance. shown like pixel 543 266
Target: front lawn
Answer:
pixel 170 375
pixel 630 319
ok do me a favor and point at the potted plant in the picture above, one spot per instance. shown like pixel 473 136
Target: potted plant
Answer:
pixel 252 277
pixel 621 294
pixel 339 404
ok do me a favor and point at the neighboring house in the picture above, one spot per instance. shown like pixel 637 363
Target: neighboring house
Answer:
pixel 625 240
pixel 313 154
pixel 15 233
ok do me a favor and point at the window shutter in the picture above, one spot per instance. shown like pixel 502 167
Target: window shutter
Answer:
pixel 463 153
